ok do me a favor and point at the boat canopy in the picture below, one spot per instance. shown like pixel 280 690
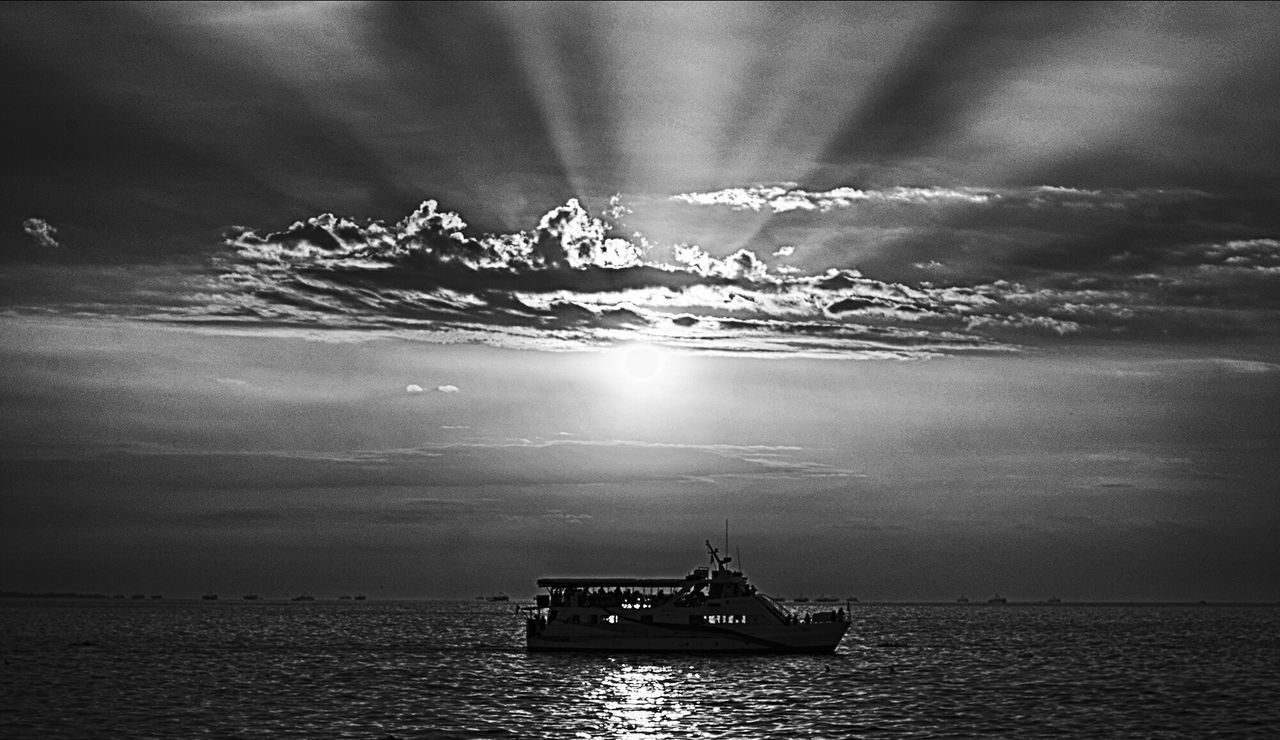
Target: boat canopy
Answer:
pixel 612 582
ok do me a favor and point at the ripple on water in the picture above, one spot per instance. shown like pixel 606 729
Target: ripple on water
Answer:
pixel 457 670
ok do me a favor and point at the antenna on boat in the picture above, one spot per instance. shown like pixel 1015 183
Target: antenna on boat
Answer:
pixel 715 557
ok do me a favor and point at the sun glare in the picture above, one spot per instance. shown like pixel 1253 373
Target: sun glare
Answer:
pixel 641 363
pixel 643 389
pixel 639 370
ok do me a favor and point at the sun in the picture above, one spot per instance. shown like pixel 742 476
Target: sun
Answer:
pixel 638 370
pixel 641 362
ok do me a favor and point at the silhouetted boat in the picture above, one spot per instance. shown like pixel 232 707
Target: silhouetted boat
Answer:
pixel 250 597
pixel 1055 600
pixel 360 597
pixel 498 597
pixel 962 600
pixel 800 600
pixel 997 599
pixel 826 599
pixel 211 596
pixel 303 597
pixel 713 609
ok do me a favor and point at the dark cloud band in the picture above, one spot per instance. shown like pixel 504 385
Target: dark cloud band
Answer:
pixel 573 281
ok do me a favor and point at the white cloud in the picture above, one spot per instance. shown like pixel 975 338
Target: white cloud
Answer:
pixel 42 231
pixel 788 197
pixel 447 388
pixel 572 284
pixel 413 388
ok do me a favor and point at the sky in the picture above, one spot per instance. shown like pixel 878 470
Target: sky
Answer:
pixel 927 300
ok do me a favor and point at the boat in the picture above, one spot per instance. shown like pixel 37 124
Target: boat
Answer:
pixel 962 600
pixel 250 597
pixel 997 599
pixel 211 596
pixel 824 599
pixel 303 597
pixel 712 609
pixel 498 597
pixel 800 600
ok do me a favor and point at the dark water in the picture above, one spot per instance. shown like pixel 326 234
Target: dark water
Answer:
pixel 457 669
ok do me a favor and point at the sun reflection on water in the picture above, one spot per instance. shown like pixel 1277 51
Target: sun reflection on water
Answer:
pixel 637 701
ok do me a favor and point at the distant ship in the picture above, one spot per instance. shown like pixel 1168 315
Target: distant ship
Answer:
pixel 962 600
pixel 211 596
pixel 1055 600
pixel 997 599
pixel 303 597
pixel 360 597
pixel 713 609
pixel 250 597
pixel 826 599
pixel 498 597
pixel 800 600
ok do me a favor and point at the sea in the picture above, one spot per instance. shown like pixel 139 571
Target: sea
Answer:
pixel 110 668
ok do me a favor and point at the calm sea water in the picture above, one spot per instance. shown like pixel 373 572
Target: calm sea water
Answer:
pixel 458 670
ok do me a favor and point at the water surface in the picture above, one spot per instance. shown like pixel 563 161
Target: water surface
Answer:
pixel 458 670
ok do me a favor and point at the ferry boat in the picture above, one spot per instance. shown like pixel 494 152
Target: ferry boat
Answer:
pixel 713 609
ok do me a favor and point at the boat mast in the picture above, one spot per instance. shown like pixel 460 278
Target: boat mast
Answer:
pixel 720 562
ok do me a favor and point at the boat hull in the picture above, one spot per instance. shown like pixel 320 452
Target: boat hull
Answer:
pixel 801 638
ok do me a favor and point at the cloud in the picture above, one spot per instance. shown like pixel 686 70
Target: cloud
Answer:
pixel 570 283
pixel 447 388
pixel 1034 264
pixel 788 197
pixel 413 388
pixel 42 232
pixel 234 382
pixel 563 517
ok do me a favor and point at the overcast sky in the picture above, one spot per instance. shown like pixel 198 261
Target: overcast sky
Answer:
pixel 928 300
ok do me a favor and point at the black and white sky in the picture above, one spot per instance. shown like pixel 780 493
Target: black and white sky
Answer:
pixel 927 299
